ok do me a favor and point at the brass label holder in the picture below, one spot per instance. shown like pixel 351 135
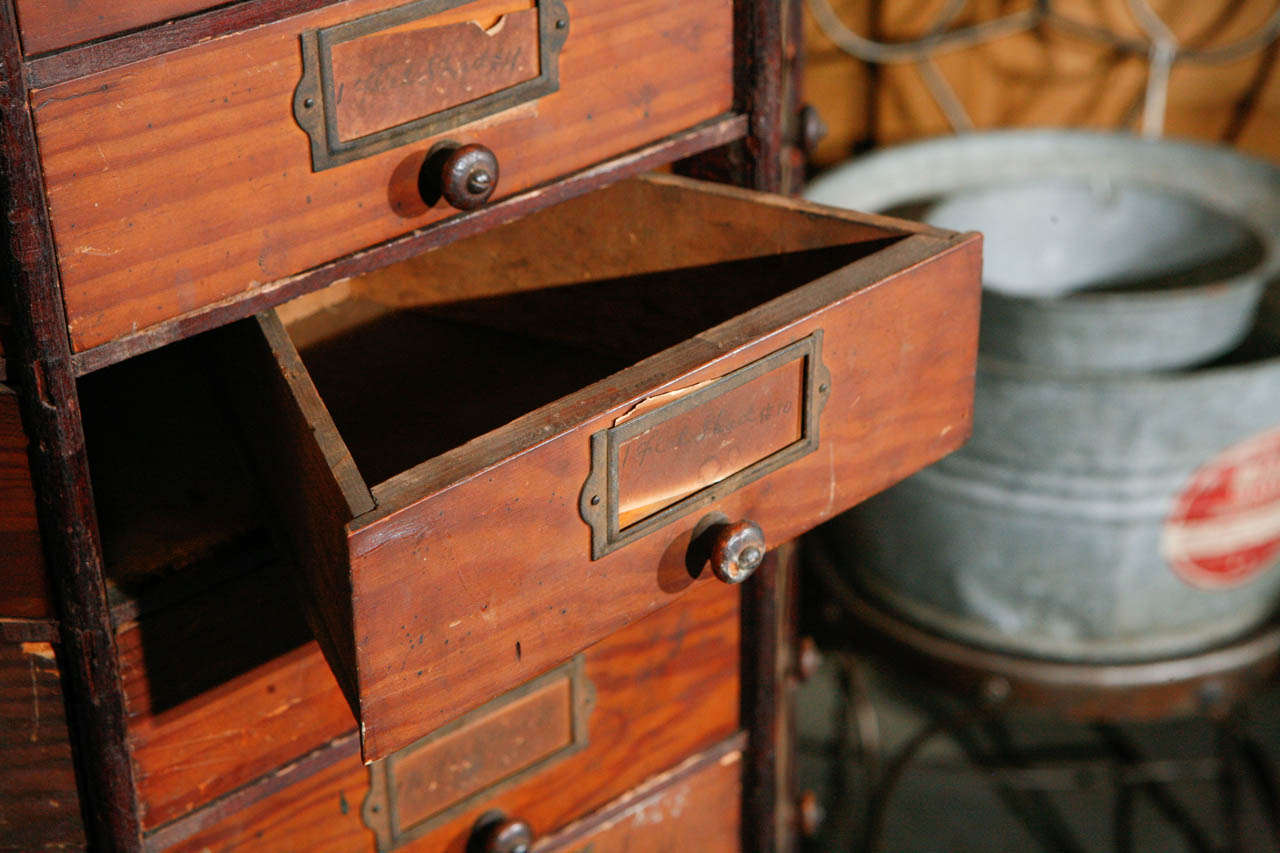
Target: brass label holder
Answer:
pixel 600 500
pixel 318 97
pixel 383 806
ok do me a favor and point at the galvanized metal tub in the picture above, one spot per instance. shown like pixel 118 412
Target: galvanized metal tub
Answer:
pixel 1104 251
pixel 1060 529
pixel 1100 512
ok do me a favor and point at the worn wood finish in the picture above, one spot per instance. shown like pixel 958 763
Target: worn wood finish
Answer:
pixel 28 630
pixel 88 58
pixel 717 132
pixel 768 820
pixel 900 329
pixel 24 590
pixel 52 24
pixel 40 367
pixel 261 696
pixel 665 688
pixel 183 180
pixel 270 386
pixel 39 806
pixel 761 78
pixel 692 807
pixel 759 92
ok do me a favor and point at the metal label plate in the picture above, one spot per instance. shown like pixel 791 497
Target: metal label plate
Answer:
pixel 499 744
pixel 397 76
pixel 701 443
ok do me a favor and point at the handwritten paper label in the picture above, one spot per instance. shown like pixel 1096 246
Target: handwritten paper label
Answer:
pixel 708 443
pixel 387 78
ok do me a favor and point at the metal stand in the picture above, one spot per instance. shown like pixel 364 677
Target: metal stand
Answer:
pixel 989 685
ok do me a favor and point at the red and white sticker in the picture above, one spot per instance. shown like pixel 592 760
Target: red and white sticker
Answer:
pixel 1225 526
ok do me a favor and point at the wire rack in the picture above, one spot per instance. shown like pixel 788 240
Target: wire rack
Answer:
pixel 1157 44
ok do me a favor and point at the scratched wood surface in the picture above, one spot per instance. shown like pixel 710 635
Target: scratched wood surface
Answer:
pixel 900 334
pixel 270 389
pixel 24 592
pixel 182 180
pixel 221 689
pixel 51 24
pixel 39 806
pixel 666 687
pixel 694 807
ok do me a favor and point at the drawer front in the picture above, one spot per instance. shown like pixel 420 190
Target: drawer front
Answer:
pixel 187 178
pixel 441 587
pixel 52 24
pixel 660 691
pixel 696 806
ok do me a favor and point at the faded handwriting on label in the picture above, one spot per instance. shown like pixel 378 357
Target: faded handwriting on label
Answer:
pixel 385 79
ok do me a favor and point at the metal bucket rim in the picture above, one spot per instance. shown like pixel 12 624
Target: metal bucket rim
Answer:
pixel 1160 379
pixel 1258 211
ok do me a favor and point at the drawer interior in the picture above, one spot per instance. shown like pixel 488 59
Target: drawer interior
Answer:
pixel 419 358
pixel 435 434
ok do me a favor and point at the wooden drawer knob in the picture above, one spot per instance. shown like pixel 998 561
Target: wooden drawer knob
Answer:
pixel 468 176
pixel 737 550
pixel 494 832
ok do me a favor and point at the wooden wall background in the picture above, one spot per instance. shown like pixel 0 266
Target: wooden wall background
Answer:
pixel 1046 77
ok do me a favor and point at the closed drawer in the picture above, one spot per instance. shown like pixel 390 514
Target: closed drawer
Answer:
pixel 549 412
pixel 180 181
pixel 696 806
pixel 558 747
pixel 52 24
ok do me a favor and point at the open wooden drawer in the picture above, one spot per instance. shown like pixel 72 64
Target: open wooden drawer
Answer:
pixel 548 412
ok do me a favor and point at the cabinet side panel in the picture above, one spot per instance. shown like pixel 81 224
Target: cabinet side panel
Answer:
pixel 23 591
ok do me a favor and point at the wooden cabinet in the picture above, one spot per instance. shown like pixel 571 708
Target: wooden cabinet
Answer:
pixel 395 450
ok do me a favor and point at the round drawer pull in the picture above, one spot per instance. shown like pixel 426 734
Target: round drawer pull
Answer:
pixel 494 832
pixel 468 176
pixel 737 550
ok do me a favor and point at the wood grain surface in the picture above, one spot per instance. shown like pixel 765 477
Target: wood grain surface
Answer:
pixel 39 366
pixel 268 385
pixel 900 341
pixel 695 806
pixel 39 806
pixel 666 687
pixel 182 180
pixel 51 24
pixel 222 689
pixel 24 592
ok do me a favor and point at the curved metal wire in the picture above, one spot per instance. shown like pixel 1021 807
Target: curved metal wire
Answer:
pixel 1160 46
pixel 938 39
